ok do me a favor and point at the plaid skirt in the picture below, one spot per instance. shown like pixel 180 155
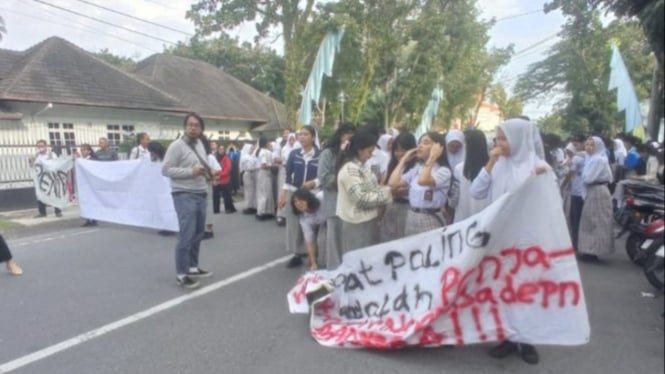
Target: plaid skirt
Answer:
pixel 596 235
pixel 417 223
pixel 393 223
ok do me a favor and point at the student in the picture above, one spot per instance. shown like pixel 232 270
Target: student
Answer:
pixel 86 154
pixel 301 171
pixel 215 169
pixel 515 158
pixel 576 158
pixel 455 144
pixel 249 169
pixel 224 187
pixel 465 172
pixel 313 223
pixel 6 257
pixel 265 203
pixel 285 150
pixel 327 174
pixel 43 154
pixel 393 224
pixel 428 183
pixel 140 152
pixel 596 236
pixel 360 198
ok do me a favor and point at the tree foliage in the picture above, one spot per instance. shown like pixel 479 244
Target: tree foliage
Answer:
pixel 577 68
pixel 122 62
pixel 3 30
pixel 253 64
pixel 510 106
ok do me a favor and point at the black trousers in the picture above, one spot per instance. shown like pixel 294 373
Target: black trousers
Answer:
pixel 42 208
pixel 576 206
pixel 5 255
pixel 223 192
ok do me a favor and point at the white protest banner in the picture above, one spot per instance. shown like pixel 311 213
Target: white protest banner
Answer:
pixel 51 177
pixel 131 193
pixel 508 272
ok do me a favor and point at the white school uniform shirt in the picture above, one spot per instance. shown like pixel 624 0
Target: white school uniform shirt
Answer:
pixel 467 205
pixel 310 222
pixel 264 157
pixel 577 187
pixel 49 155
pixel 378 163
pixel 426 197
pixel 139 153
pixel 213 164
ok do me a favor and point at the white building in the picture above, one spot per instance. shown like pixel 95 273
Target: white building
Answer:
pixel 58 92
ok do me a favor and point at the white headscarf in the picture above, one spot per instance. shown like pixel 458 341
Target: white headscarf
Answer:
pixel 597 166
pixel 457 158
pixel 245 156
pixel 620 152
pixel 383 142
pixel 288 148
pixel 510 172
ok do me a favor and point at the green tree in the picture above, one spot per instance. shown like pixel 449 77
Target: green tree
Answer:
pixel 552 124
pixel 509 106
pixel 3 30
pixel 291 17
pixel 122 62
pixel 255 65
pixel 577 68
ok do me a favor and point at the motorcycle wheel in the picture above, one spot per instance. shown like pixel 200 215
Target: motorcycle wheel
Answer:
pixel 633 249
pixel 654 270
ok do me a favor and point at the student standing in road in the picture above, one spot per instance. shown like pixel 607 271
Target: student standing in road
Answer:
pixel 141 152
pixel 465 172
pixel 44 154
pixel 393 225
pixel 6 257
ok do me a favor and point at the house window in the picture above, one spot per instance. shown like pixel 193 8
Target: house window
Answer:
pixel 113 134
pixel 54 136
pixel 225 135
pixel 68 135
pixel 127 132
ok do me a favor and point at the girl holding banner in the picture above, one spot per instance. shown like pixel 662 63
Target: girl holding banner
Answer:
pixel 464 174
pixel 514 159
pixel 428 183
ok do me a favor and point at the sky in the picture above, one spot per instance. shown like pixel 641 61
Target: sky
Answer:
pixel 29 22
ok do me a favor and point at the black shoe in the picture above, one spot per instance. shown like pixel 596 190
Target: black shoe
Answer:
pixel 208 235
pixel 39 216
pixel 187 282
pixel 58 215
pixel 281 221
pixel 87 224
pixel 592 259
pixel 199 273
pixel 165 233
pixel 264 217
pixel 529 354
pixel 230 211
pixel 504 350
pixel 294 262
pixel 249 211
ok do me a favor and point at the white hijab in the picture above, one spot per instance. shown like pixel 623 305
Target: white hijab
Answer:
pixel 597 166
pixel 620 151
pixel 245 156
pixel 458 158
pixel 383 142
pixel 510 172
pixel 288 148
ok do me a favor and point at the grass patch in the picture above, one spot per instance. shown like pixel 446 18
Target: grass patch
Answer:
pixel 6 224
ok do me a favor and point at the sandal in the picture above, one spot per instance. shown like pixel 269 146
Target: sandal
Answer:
pixel 13 268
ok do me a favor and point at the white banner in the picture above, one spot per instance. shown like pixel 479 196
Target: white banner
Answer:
pixel 131 193
pixel 51 177
pixel 507 273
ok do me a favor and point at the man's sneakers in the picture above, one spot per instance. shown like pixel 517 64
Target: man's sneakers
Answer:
pixel 199 273
pixel 191 279
pixel 186 282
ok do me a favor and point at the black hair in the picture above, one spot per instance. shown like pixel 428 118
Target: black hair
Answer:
pixel 195 115
pixel 140 137
pixel 313 204
pixel 206 144
pixel 406 141
pixel 580 138
pixel 441 139
pixel 88 147
pixel 156 148
pixel 336 142
pixel 263 142
pixel 476 153
pixel 361 139
pixel 373 128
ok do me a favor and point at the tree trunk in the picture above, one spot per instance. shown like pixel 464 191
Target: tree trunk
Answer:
pixel 656 104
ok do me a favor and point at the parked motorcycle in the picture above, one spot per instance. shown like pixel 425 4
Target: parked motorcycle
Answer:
pixel 644 240
pixel 654 268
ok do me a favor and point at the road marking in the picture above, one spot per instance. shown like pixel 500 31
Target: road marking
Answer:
pixel 92 334
pixel 25 242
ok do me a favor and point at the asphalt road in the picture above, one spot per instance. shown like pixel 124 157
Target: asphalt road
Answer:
pixel 79 280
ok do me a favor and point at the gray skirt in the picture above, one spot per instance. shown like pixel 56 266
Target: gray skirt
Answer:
pixel 596 235
pixel 281 179
pixel 393 225
pixel 417 223
pixel 265 202
pixel 333 243
pixel 249 189
pixel 360 235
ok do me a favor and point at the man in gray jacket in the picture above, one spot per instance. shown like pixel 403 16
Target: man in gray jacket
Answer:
pixel 185 163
